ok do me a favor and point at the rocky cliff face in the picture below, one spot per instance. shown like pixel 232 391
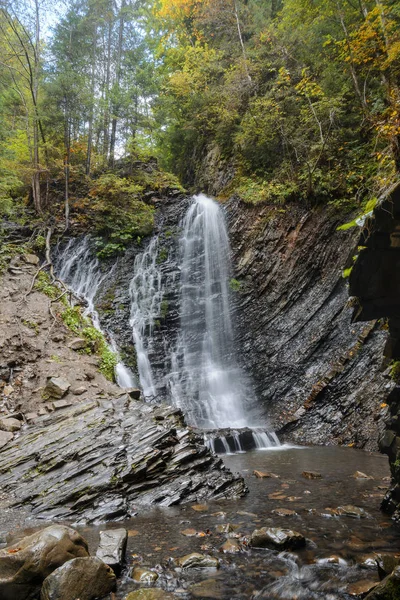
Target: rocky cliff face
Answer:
pixel 375 286
pixel 318 376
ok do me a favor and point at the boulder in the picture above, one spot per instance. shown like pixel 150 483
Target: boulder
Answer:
pixel 57 387
pixel 77 344
pixel 386 563
pixel 84 578
pixel 198 561
pixel 144 575
pixel 24 566
pixel 10 425
pixel 274 537
pixel 5 437
pixel 388 589
pixel 112 547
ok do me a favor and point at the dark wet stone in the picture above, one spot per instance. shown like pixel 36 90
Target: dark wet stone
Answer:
pixel 311 475
pixel 388 589
pixel 274 537
pixel 25 565
pixel 84 578
pixel 112 547
pixel 386 563
pixel 98 462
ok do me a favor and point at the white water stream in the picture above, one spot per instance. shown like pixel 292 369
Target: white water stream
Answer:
pixel 80 269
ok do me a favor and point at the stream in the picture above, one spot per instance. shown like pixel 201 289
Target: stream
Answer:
pixel 340 549
pixel 337 562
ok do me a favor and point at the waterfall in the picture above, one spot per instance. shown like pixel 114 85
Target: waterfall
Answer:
pixel 206 381
pixel 79 268
pixel 198 362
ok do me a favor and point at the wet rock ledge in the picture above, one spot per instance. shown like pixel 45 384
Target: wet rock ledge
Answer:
pixel 101 460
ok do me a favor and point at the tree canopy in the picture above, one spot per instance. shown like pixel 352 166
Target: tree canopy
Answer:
pixel 292 99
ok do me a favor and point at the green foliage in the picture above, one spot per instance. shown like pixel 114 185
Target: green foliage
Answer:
pixel 73 319
pixel 395 371
pixel 235 285
pixel 346 273
pixel 118 214
pixel 43 284
pixel 164 309
pixel 32 325
pixel 96 342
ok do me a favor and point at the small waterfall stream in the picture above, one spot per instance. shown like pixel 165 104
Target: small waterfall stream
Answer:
pixel 79 268
pixel 146 295
pixel 202 374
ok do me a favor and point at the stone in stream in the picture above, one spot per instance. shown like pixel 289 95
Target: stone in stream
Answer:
pixel 112 547
pixel 274 537
pixel 311 475
pixel 386 563
pixel 284 512
pixel 352 511
pixel 5 437
pixel 388 589
pixel 24 566
pixel 144 575
pixel 360 475
pixel 361 588
pixel 10 425
pixel 84 578
pixel 198 561
pixel 149 594
pixel 226 528
pixel 57 387
pixel 231 546
pixel 209 588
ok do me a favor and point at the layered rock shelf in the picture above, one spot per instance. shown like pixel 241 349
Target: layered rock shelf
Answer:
pixel 101 460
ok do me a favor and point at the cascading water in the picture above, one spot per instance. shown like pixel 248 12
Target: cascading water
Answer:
pixel 146 297
pixel 80 270
pixel 206 380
